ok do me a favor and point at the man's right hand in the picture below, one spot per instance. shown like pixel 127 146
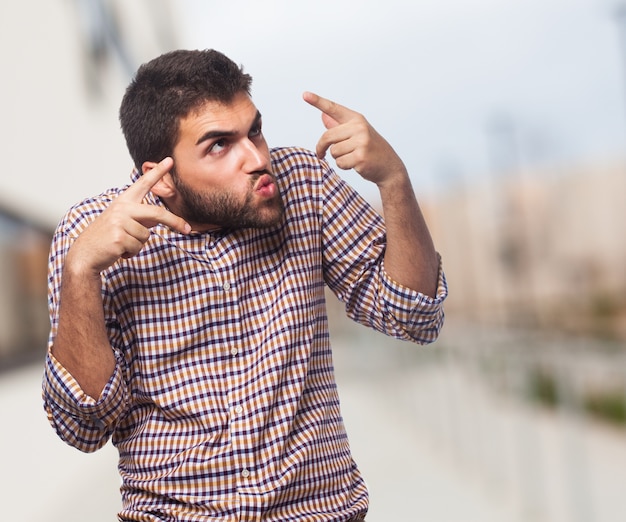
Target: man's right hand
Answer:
pixel 124 227
pixel 82 345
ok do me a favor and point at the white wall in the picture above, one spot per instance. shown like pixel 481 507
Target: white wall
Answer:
pixel 59 142
pixel 60 139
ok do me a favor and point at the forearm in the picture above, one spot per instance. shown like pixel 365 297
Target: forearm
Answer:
pixel 410 256
pixel 81 344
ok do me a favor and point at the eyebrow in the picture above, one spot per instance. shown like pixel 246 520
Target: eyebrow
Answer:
pixel 212 134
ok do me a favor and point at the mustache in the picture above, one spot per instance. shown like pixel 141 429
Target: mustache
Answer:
pixel 254 177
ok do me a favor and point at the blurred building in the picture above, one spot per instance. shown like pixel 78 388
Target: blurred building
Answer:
pixel 23 313
pixel 544 248
pixel 65 65
pixel 540 249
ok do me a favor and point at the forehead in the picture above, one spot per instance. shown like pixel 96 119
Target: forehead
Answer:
pixel 230 117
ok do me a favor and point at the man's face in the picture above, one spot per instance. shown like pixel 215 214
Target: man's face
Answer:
pixel 221 173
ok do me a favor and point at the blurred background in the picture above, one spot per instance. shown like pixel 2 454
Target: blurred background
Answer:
pixel 511 117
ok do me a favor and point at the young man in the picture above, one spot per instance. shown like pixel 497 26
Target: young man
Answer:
pixel 188 314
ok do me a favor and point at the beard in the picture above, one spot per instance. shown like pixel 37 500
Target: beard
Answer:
pixel 224 210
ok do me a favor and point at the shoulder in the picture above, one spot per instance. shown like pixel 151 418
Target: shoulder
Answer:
pixel 286 159
pixel 291 154
pixel 296 167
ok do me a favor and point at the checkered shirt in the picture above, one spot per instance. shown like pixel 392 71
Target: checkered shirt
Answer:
pixel 223 404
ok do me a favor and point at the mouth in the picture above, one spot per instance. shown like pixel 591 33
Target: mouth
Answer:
pixel 265 186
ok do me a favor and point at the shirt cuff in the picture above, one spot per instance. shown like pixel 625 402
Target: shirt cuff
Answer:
pixel 410 306
pixel 63 390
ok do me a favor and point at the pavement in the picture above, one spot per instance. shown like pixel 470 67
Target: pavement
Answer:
pixel 431 442
pixel 43 479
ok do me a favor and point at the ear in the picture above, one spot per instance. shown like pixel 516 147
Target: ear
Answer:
pixel 164 188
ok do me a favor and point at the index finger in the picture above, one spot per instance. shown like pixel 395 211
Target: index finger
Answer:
pixel 151 215
pixel 338 112
pixel 138 190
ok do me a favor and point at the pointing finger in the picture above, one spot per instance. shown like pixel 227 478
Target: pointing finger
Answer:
pixel 138 190
pixel 151 215
pixel 338 113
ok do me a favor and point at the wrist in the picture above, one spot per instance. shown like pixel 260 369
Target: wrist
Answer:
pixel 76 268
pixel 396 179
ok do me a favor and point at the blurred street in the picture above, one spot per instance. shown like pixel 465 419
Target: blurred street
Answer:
pixel 433 441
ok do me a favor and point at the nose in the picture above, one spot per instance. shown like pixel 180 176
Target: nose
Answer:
pixel 255 156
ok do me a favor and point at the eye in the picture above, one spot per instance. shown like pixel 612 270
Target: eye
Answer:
pixel 255 131
pixel 218 146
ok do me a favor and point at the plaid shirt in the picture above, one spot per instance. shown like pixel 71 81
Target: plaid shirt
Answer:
pixel 223 403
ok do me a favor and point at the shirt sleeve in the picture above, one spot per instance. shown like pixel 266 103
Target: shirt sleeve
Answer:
pixel 354 247
pixel 78 419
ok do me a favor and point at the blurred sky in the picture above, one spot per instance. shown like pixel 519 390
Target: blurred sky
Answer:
pixel 433 76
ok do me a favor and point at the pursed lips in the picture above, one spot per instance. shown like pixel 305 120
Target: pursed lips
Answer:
pixel 264 182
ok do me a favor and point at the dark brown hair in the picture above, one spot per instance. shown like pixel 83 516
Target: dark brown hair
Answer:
pixel 169 88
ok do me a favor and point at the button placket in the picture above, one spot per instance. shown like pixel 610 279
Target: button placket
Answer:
pixel 227 279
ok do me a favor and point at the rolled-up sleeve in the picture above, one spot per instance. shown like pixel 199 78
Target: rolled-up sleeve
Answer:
pixel 80 420
pixel 354 248
pixel 409 314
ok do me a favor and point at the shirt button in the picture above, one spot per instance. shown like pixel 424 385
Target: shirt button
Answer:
pixel 238 409
pixel 226 286
pixel 234 351
pixel 245 473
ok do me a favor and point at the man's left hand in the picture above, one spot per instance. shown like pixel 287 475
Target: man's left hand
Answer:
pixel 354 143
